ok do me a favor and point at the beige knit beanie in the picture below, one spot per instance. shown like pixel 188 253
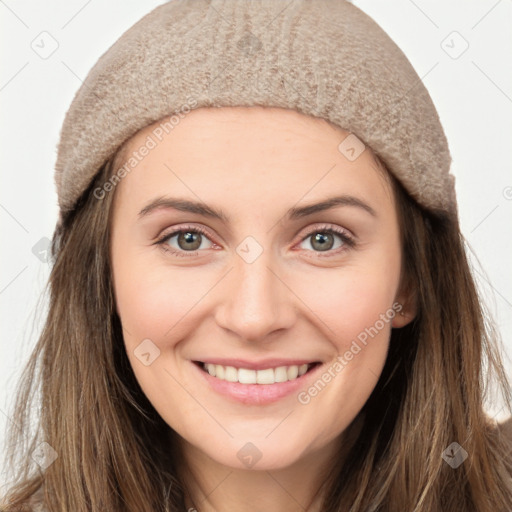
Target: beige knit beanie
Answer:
pixel 324 58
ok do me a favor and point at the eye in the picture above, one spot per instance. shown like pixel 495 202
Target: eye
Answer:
pixel 330 239
pixel 187 241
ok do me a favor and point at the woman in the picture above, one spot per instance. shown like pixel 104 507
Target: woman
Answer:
pixel 260 298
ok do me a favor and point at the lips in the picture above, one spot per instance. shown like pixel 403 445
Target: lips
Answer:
pixel 270 381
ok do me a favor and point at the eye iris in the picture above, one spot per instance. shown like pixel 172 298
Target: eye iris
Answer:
pixel 323 240
pixel 191 241
pixel 189 238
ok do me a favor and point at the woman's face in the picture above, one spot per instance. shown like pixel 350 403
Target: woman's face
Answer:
pixel 288 260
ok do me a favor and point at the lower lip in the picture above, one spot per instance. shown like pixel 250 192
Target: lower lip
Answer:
pixel 256 394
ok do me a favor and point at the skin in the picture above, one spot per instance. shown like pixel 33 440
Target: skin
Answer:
pixel 293 301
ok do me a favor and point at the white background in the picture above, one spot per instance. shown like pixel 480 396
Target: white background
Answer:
pixel 473 94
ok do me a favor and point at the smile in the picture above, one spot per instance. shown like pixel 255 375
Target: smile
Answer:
pixel 263 376
pixel 256 382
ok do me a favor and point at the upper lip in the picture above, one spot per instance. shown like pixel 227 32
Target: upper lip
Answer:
pixel 257 365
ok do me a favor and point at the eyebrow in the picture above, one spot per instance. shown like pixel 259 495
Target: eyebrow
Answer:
pixel 293 213
pixel 332 202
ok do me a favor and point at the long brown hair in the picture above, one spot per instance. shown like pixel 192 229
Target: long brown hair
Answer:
pixel 115 453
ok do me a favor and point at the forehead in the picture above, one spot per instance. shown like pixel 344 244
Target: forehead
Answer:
pixel 271 153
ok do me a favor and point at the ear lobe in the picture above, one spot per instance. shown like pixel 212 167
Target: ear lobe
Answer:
pixel 408 310
pixel 403 318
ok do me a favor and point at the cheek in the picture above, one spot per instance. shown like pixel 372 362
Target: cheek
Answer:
pixel 360 308
pixel 157 304
pixel 350 300
pixel 151 300
pixel 354 309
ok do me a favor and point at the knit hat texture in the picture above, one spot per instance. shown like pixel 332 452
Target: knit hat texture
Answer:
pixel 324 58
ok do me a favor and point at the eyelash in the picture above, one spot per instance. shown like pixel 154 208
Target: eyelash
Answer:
pixel 347 240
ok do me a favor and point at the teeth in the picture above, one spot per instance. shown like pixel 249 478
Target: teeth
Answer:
pixel 246 376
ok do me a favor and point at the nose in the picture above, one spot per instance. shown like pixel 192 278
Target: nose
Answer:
pixel 256 301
